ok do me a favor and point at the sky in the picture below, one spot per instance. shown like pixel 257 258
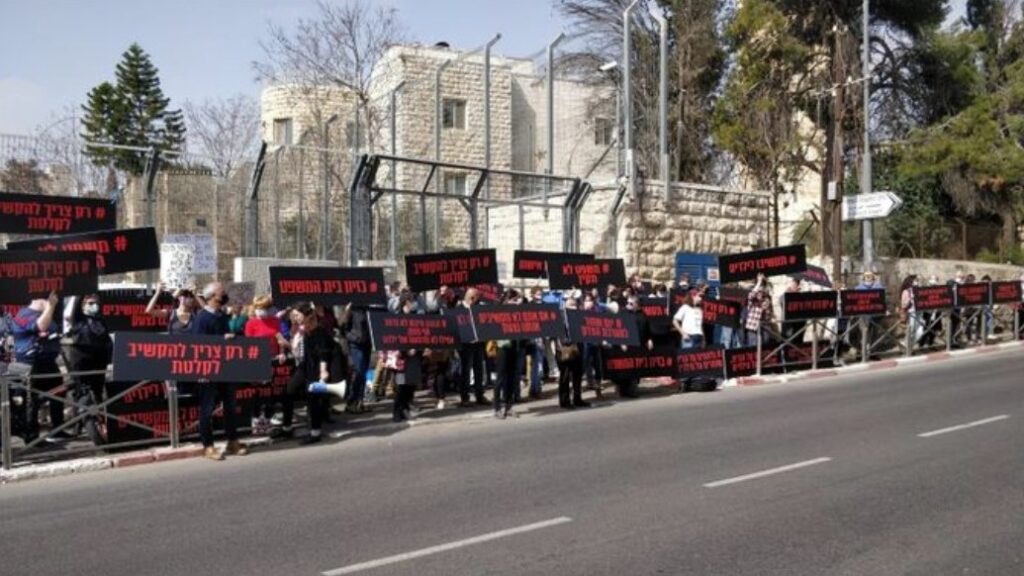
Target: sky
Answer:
pixel 59 49
pixel 52 52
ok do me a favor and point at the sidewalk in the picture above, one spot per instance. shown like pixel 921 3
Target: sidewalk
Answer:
pixel 379 421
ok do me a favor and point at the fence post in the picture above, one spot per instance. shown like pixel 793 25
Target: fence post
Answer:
pixel 865 332
pixel 814 344
pixel 5 422
pixel 759 350
pixel 949 330
pixel 172 408
pixel 912 320
pixel 1016 325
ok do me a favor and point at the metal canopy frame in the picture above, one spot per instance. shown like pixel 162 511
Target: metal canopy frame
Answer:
pixel 365 193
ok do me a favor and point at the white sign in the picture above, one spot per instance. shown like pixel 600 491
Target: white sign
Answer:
pixel 205 249
pixel 176 265
pixel 870 206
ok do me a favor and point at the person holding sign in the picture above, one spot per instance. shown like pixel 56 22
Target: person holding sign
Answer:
pixel 689 322
pixel 88 345
pixel 37 346
pixel 406 368
pixel 316 354
pixel 570 369
pixel 507 366
pixel 472 359
pixel 212 321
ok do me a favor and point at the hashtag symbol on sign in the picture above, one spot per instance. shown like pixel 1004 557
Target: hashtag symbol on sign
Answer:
pixel 254 352
pixel 120 243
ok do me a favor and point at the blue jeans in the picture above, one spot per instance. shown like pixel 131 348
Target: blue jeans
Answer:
pixel 208 392
pixel 593 368
pixel 693 341
pixel 728 337
pixel 536 354
pixel 360 358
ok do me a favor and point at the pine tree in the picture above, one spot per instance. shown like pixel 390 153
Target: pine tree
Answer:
pixel 132 112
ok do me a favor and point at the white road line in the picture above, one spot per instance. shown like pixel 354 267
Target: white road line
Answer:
pixel 764 473
pixel 963 426
pixel 446 547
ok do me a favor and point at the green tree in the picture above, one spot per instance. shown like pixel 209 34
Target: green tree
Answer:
pixel 977 151
pixel 134 112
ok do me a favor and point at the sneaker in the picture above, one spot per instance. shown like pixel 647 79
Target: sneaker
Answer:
pixel 508 413
pixel 277 420
pixel 482 401
pixel 236 448
pixel 311 439
pixel 211 453
pixel 499 414
pixel 441 404
pixel 580 404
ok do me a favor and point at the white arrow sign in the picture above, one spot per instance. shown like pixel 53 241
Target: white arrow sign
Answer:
pixel 870 206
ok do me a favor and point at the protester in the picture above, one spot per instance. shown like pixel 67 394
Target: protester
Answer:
pixel 689 321
pixel 238 317
pixel 212 321
pixel 908 313
pixel 507 366
pixel 88 345
pixel 263 323
pixel 759 310
pixel 37 346
pixel 570 369
pixel 179 318
pixel 593 359
pixel 955 317
pixel 629 388
pixel 471 358
pixel 356 330
pixel 406 367
pixel 533 352
pixel 316 353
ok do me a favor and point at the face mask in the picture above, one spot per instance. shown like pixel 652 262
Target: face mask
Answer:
pixel 186 302
pixel 92 309
pixel 260 313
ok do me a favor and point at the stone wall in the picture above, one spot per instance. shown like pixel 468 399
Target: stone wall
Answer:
pixel 645 234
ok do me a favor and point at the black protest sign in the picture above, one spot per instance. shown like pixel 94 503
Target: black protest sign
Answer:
pixel 599 327
pixel 124 310
pixel 462 320
pixel 117 251
pixel 327 286
pixel 146 405
pixel 721 312
pixel 1006 292
pixel 743 361
pixel 854 303
pixel 532 264
pixel 734 294
pixel 518 322
pixel 700 362
pixel 566 274
pixel 490 292
pixel 28 275
pixel 810 305
pixel 638 362
pixel 676 299
pixel 770 262
pixel 815 275
pixel 412 331
pixel 141 356
pixel 933 297
pixel 655 308
pixel 36 214
pixel 974 294
pixel 454 269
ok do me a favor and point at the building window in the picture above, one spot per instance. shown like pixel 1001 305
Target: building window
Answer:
pixel 283 131
pixel 454 113
pixel 455 184
pixel 604 131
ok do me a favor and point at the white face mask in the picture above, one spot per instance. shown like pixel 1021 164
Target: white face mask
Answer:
pixel 260 313
pixel 91 309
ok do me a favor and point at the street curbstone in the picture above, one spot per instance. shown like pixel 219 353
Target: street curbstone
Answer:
pixel 181 453
pixel 134 459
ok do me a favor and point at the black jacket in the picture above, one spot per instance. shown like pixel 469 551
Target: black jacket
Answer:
pixel 357 328
pixel 89 341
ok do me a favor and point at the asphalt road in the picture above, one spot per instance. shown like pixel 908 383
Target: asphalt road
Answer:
pixel 813 477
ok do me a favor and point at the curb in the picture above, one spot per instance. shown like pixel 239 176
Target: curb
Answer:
pixel 877 365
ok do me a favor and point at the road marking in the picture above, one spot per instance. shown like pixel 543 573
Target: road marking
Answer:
pixel 964 426
pixel 764 473
pixel 446 547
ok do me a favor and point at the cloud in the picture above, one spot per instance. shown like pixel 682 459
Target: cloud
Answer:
pixel 23 105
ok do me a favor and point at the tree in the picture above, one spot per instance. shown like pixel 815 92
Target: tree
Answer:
pixel 696 63
pixel 338 48
pixel 978 151
pixel 133 112
pixel 24 177
pixel 225 132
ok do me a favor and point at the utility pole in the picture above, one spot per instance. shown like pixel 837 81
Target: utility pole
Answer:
pixel 838 169
pixel 865 181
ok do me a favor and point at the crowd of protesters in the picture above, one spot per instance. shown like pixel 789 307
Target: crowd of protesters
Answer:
pixel 322 345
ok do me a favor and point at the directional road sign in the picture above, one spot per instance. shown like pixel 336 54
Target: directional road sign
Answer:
pixel 870 206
